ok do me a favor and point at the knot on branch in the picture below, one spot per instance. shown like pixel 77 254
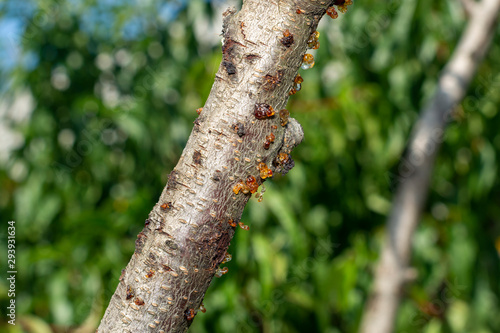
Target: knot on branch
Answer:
pixel 294 134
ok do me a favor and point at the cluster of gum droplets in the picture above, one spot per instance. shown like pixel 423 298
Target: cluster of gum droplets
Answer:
pixel 313 43
pixel 221 271
pixel 263 111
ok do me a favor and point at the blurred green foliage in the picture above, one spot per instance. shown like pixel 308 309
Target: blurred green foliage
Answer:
pixel 101 104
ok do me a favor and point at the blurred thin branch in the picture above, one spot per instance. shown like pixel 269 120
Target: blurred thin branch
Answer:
pixel 470 6
pixel 393 270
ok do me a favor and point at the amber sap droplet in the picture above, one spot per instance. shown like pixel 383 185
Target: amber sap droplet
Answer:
pixel 221 271
pixel 150 273
pixel 287 39
pixel 286 162
pixel 130 293
pixel 227 257
pixel 298 79
pixel 269 139
pixel 238 187
pixel 263 111
pixel 307 61
pixel 245 190
pixel 313 42
pixel 283 158
pixel 190 313
pixel 231 223
pixel 202 308
pixel 297 83
pixel 252 184
pixel 198 111
pixel 243 226
pixel 265 172
pixel 342 5
pixel 332 12
pixel 284 114
pixel 270 81
pixel 166 206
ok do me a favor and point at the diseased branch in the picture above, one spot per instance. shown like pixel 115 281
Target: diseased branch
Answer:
pixel 187 234
pixel 393 269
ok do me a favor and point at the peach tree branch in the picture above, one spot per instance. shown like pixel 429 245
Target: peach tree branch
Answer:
pixel 242 136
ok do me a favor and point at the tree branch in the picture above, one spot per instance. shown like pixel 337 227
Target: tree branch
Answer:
pixel 187 234
pixel 393 271
pixel 469 6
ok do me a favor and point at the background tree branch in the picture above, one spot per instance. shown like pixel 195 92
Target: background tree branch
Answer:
pixel 469 6
pixel 393 270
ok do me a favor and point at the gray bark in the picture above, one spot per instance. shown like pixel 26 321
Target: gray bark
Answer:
pixel 393 269
pixel 182 244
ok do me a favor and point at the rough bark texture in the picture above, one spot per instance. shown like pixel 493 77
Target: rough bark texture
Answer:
pixel 393 269
pixel 186 235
